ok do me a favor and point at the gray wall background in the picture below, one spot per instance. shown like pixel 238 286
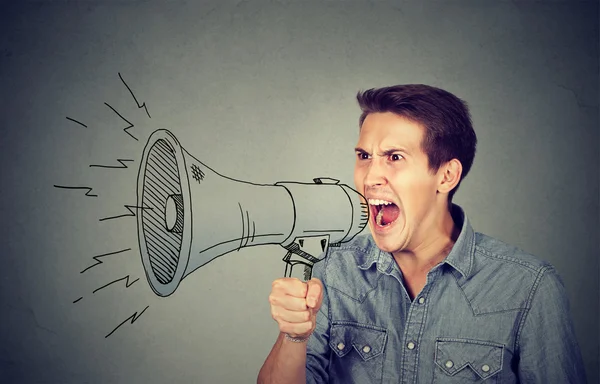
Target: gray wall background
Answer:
pixel 263 92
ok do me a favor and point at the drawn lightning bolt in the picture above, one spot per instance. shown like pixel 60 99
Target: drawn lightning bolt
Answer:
pixel 88 189
pixel 133 318
pixel 131 213
pixel 98 257
pixel 143 105
pixel 127 283
pixel 121 161
pixel 124 119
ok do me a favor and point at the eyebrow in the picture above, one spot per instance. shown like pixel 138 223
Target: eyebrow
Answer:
pixel 387 152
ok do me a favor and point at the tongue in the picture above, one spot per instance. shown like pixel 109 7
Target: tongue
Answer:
pixel 389 213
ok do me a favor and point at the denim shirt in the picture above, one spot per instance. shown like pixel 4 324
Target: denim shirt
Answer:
pixel 489 313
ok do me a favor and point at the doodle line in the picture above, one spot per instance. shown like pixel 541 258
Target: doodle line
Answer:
pixel 134 98
pixel 98 257
pixel 127 121
pixel 133 319
pixel 75 121
pixel 122 161
pixel 130 214
pixel 89 190
pixel 127 283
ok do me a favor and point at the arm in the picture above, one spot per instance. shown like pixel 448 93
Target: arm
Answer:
pixel 290 362
pixel 546 343
pixel 294 305
pixel 286 363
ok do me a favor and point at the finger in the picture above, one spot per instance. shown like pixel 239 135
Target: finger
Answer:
pixel 287 302
pixel 280 314
pixel 296 329
pixel 314 296
pixel 290 286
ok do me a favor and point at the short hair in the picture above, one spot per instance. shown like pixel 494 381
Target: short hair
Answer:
pixel 448 127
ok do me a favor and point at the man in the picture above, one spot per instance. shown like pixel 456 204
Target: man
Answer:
pixel 422 298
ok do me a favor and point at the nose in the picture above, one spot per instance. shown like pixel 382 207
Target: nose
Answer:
pixel 375 176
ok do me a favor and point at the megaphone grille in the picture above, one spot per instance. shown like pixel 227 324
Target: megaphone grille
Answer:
pixel 161 186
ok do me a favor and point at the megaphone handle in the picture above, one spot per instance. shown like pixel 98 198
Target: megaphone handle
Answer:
pixel 289 266
pixel 307 272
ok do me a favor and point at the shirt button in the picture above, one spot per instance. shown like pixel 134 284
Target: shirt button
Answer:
pixel 449 364
pixel 366 349
pixel 341 346
pixel 485 368
pixel 421 300
pixel 410 345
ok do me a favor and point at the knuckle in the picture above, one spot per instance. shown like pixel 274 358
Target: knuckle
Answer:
pixel 277 316
pixel 306 316
pixel 305 327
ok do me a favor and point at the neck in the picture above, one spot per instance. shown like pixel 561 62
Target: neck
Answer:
pixel 435 245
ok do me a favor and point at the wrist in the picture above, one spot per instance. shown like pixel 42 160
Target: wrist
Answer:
pixel 297 339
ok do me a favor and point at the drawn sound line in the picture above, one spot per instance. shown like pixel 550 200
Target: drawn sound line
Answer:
pixel 75 121
pixel 88 189
pixel 122 161
pixel 124 119
pixel 98 257
pixel 143 105
pixel 131 213
pixel 133 319
pixel 127 283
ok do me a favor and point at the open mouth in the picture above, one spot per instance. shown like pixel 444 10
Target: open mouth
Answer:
pixel 383 212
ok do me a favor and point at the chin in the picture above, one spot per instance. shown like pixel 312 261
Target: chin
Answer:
pixel 388 242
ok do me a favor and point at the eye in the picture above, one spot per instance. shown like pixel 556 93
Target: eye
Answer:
pixel 395 157
pixel 362 155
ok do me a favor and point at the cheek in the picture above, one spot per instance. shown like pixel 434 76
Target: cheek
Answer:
pixel 413 189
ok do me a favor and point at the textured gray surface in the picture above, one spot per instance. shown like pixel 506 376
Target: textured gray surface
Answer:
pixel 263 92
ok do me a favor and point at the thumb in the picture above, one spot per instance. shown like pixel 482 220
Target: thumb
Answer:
pixel 314 294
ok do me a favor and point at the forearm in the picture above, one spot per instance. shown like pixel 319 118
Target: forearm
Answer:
pixel 286 363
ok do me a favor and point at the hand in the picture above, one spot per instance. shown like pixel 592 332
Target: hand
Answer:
pixel 294 305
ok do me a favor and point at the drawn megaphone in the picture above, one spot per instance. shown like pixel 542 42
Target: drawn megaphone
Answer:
pixel 191 215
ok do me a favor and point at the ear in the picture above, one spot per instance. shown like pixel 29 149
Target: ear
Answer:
pixel 449 176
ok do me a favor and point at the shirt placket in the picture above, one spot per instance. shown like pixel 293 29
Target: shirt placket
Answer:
pixel 413 332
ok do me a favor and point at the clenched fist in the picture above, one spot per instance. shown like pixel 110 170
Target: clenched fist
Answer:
pixel 294 305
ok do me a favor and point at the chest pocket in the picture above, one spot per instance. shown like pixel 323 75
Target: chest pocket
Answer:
pixel 467 361
pixel 357 350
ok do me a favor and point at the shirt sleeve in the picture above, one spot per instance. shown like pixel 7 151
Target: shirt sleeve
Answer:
pixel 546 342
pixel 317 349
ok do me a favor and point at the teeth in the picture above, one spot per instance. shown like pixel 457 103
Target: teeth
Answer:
pixel 379 202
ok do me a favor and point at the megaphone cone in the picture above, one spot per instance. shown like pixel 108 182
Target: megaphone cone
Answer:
pixel 191 214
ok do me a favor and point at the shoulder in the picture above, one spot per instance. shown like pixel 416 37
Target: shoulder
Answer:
pixel 504 277
pixel 493 250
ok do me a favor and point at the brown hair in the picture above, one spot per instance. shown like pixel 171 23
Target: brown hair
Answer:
pixel 449 131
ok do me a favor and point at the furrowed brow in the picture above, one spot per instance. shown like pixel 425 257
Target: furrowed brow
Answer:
pixel 391 151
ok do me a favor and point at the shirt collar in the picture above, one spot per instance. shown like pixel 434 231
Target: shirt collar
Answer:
pixel 459 258
pixel 461 255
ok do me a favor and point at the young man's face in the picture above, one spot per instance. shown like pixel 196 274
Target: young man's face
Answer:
pixel 392 172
